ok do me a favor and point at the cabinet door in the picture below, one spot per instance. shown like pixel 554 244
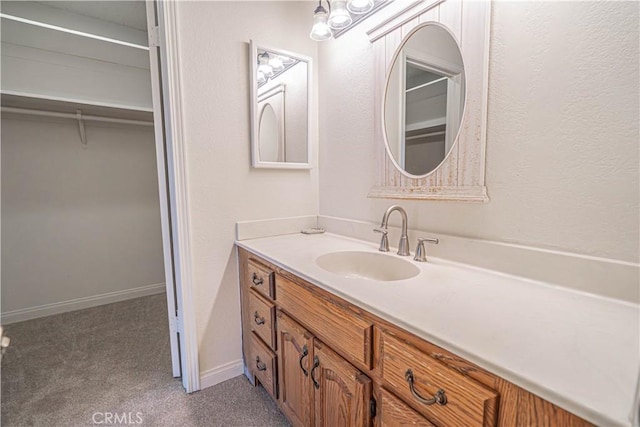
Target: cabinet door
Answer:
pixel 342 394
pixel 296 346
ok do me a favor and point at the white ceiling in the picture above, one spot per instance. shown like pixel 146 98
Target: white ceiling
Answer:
pixel 129 13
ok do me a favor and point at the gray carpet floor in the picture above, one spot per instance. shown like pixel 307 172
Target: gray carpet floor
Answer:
pixel 72 369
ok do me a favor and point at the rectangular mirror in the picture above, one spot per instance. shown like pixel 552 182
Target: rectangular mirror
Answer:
pixel 280 106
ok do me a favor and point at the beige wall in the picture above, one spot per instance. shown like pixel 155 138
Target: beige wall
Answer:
pixel 77 222
pixel 562 143
pixel 222 187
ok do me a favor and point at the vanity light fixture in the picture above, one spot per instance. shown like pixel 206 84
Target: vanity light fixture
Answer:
pixel 359 6
pixel 342 15
pixel 339 16
pixel 276 63
pixel 263 65
pixel 320 30
pixel 271 65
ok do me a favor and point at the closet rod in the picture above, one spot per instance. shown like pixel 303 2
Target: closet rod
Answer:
pixel 74 116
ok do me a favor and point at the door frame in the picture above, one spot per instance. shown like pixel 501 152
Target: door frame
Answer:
pixel 167 88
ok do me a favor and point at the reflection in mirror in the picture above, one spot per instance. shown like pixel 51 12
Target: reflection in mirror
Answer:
pixel 270 137
pixel 280 108
pixel 424 99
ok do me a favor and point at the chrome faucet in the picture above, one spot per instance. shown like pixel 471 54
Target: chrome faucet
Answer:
pixel 403 245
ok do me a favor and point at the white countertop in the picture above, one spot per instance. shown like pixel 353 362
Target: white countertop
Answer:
pixel 576 350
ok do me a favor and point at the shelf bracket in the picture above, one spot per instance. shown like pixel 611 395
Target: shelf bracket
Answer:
pixel 81 129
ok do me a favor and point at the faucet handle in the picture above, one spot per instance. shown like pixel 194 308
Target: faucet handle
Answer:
pixel 384 242
pixel 421 252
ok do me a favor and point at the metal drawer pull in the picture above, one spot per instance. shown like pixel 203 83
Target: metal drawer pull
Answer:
pixel 440 398
pixel 260 365
pixel 256 318
pixel 316 363
pixel 305 353
pixel 257 280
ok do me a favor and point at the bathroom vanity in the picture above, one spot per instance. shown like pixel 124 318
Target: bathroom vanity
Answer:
pixel 335 350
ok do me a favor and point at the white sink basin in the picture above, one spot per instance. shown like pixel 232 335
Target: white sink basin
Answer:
pixel 367 265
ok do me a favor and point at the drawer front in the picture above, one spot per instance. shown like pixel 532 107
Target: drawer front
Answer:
pixel 260 278
pixel 263 365
pixel 468 403
pixel 262 318
pixel 336 326
pixel 394 412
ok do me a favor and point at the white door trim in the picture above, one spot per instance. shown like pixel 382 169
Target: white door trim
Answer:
pixel 178 187
pixel 163 190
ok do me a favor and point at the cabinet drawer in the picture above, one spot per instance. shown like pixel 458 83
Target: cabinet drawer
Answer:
pixel 468 403
pixel 340 328
pixel 394 412
pixel 262 318
pixel 260 278
pixel 263 365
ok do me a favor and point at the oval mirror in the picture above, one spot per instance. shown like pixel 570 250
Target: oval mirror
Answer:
pixel 424 99
pixel 269 135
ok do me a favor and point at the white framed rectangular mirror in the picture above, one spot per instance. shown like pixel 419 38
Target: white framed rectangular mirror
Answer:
pixel 280 108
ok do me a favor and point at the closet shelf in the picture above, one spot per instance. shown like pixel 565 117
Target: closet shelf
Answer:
pixel 71 106
pixel 81 112
pixel 71 31
pixel 40 35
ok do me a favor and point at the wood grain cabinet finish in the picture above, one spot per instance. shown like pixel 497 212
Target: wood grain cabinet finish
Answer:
pixel 468 402
pixel 338 326
pixel 395 413
pixel 342 393
pixel 262 363
pixel 361 364
pixel 260 278
pixel 263 314
pixel 295 346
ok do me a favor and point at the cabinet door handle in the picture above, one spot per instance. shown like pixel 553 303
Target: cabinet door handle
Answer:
pixel 260 365
pixel 305 353
pixel 256 318
pixel 440 397
pixel 257 280
pixel 316 363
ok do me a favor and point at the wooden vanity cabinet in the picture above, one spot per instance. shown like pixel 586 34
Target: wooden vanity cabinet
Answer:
pixel 317 386
pixel 327 362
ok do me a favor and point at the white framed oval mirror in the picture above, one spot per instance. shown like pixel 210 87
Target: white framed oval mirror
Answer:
pixel 424 100
pixel 280 108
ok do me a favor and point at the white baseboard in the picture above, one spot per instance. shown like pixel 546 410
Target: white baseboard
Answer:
pixel 80 303
pixel 221 373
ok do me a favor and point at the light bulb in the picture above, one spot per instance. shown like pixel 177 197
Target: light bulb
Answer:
pixel 261 77
pixel 320 30
pixel 359 6
pixel 339 17
pixel 263 65
pixel 286 60
pixel 276 63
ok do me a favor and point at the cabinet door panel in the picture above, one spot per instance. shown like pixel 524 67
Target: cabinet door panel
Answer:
pixel 342 393
pixel 295 346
